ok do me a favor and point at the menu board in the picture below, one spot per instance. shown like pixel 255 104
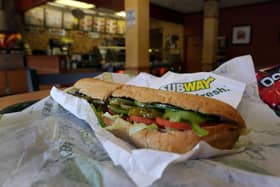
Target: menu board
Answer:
pixel 111 26
pixel 121 27
pixel 53 18
pixel 86 23
pixel 69 21
pixel 34 16
pixel 99 24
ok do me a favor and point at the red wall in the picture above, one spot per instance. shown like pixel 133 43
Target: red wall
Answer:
pixel 265 26
pixel 23 5
pixel 193 24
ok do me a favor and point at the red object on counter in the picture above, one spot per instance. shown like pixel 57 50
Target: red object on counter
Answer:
pixel 9 40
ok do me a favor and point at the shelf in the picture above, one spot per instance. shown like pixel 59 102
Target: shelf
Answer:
pixel 112 47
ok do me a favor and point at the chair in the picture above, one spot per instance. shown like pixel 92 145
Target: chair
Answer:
pixel 12 74
pixel 35 79
pixel 2 83
pixel 13 81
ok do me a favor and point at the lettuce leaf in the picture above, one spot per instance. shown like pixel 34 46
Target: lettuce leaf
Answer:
pixel 141 126
pixel 119 123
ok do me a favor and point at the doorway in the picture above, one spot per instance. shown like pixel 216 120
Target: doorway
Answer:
pixel 193 48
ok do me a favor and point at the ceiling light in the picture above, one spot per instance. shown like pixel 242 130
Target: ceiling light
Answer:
pixel 120 14
pixel 76 4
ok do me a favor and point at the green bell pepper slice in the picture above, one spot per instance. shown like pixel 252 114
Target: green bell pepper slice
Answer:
pixel 193 118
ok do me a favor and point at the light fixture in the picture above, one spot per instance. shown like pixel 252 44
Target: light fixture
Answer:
pixel 76 4
pixel 120 14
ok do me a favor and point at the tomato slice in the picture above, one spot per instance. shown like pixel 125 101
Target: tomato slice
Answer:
pixel 139 119
pixel 175 125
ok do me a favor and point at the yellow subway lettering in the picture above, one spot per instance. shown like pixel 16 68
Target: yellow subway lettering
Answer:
pixel 207 82
pixel 199 85
pixel 190 86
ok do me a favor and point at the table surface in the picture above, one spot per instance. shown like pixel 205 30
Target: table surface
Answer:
pixel 19 98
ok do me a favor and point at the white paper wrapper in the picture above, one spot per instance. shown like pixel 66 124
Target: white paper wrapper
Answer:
pixel 45 145
pixel 203 83
pixel 149 164
pixel 138 163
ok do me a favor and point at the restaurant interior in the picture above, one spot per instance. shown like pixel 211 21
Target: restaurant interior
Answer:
pixel 177 93
pixel 44 43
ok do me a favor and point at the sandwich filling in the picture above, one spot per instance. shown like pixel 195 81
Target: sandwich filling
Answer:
pixel 160 116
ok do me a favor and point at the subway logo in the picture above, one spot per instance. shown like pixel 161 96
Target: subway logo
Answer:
pixel 192 86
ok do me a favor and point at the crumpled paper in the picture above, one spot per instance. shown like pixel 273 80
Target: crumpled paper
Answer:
pixel 45 145
pixel 149 164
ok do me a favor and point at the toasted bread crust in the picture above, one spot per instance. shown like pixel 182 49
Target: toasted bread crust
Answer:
pixel 222 136
pixel 96 88
pixel 103 89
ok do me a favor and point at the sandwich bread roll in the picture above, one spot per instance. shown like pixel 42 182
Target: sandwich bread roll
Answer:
pixel 168 121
